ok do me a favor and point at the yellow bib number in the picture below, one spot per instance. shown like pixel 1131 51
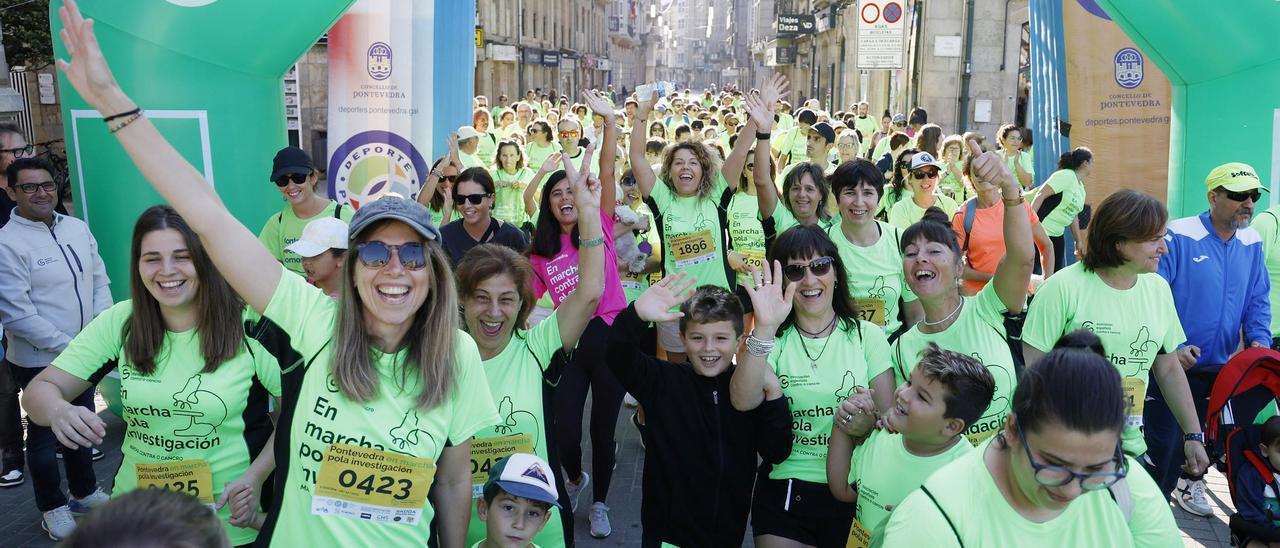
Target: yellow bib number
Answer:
pixel 1135 395
pixel 871 310
pixel 487 452
pixel 365 483
pixel 753 258
pixel 692 248
pixel 859 535
pixel 193 477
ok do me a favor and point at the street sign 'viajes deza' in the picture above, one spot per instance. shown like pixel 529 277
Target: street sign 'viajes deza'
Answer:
pixel 790 25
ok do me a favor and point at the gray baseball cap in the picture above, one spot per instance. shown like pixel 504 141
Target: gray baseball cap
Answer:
pixel 409 212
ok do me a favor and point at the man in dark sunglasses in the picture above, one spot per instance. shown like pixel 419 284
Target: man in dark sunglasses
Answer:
pixel 1215 267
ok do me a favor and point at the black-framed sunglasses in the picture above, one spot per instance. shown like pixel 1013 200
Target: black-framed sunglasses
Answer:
pixel 1254 195
pixel 475 199
pixel 819 267
pixel 31 188
pixel 295 178
pixel 1052 475
pixel 375 254
pixel 21 151
pixel 920 175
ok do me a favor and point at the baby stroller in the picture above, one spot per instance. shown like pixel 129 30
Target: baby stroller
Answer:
pixel 1244 395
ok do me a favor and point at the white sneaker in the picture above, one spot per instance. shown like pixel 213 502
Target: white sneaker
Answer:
pixel 1192 498
pixel 58 523
pixel 599 519
pixel 84 505
pixel 575 489
pixel 12 478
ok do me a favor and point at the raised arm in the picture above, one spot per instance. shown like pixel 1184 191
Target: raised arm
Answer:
pixel 772 304
pixel 640 168
pixel 578 308
pixel 608 149
pixel 247 265
pixel 1014 272
pixel 531 192
pixel 761 120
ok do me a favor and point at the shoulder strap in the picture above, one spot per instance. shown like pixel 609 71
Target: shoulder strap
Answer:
pixel 722 211
pixel 970 211
pixel 950 523
pixel 337 212
pixel 1123 496
pixel 280 217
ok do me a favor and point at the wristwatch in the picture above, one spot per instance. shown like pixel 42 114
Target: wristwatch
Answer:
pixel 1197 436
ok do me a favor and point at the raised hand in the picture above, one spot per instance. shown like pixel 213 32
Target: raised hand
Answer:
pixel 655 304
pixel 774 88
pixel 553 160
pixel 87 70
pixel 599 105
pixel 989 167
pixel 771 302
pixel 761 112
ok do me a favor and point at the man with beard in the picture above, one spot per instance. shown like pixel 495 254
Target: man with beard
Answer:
pixel 1221 291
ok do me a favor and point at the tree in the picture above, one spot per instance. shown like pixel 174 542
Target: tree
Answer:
pixel 26 33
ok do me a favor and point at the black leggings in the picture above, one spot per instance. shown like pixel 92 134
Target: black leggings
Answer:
pixel 588 370
pixel 1059 252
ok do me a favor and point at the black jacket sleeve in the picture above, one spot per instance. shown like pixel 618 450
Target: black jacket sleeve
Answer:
pixel 1253 516
pixel 638 372
pixel 773 430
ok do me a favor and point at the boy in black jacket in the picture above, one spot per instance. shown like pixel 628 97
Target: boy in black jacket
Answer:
pixel 700 457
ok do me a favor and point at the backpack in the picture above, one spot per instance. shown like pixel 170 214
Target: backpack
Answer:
pixel 1012 322
pixel 337 214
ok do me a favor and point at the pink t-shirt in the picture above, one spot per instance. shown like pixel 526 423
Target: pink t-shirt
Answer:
pixel 559 274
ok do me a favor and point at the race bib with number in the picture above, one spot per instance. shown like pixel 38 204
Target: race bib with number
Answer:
pixel 692 248
pixel 859 535
pixel 753 258
pixel 870 309
pixel 487 452
pixel 364 483
pixel 1135 396
pixel 193 477
pixel 630 280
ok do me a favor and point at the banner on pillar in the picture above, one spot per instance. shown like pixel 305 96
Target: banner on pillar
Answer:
pixel 1118 105
pixel 381 72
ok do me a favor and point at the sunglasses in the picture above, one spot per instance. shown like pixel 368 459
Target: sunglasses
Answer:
pixel 819 267
pixel 533 130
pixel 628 181
pixel 295 178
pixel 475 199
pixel 924 175
pixel 31 188
pixel 569 134
pixel 1254 195
pixel 375 254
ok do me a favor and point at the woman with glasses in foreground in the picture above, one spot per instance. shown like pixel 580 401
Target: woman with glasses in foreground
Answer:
pixel 1054 475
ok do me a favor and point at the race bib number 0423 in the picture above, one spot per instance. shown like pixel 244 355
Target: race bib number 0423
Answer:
pixel 363 483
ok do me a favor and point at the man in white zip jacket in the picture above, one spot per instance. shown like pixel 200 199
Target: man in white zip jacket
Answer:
pixel 52 283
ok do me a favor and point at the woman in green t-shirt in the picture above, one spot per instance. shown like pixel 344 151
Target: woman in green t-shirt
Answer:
pixel 194 387
pixel 925 172
pixel 381 388
pixel 820 352
pixel 897 188
pixel 487 149
pixel 539 144
pixel 296 179
pixel 1018 160
pixel 954 183
pixel 511 176
pixel 746 234
pixel 1054 475
pixel 495 286
pixel 1060 200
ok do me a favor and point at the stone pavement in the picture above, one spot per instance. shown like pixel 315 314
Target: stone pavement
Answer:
pixel 20 522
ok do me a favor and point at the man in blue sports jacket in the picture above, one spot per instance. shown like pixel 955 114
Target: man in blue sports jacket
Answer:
pixel 1221 290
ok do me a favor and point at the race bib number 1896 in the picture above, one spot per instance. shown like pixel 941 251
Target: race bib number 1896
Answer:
pixel 363 483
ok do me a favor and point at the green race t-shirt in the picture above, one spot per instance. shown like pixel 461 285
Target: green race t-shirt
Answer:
pixel 1066 183
pixel 978 332
pixel 487 152
pixel 470 160
pixel 536 155
pixel 284 228
pixel 299 323
pixel 791 141
pixel 844 359
pixel 1023 159
pixel 178 412
pixel 784 219
pixel 906 213
pixel 1268 226
pixel 508 202
pixel 1135 325
pixel 884 473
pixel 746 232
pixel 974 504
pixel 691 233
pixel 875 276
pixel 868 125
pixel 516 383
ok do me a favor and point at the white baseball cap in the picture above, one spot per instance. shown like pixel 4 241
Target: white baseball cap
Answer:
pixel 468 132
pixel 320 236
pixel 523 475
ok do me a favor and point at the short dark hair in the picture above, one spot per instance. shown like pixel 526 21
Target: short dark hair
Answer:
pixel 918 116
pixel 934 226
pixel 1270 431
pixel 1049 390
pixel 23 164
pixel 807 116
pixel 655 146
pixel 150 517
pixel 969 385
pixel 794 177
pixel 682 128
pixel 711 304
pixel 477 175
pixel 491 492
pixel 1124 215
pixel 855 172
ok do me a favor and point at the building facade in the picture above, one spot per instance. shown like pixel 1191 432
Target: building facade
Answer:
pixel 547 45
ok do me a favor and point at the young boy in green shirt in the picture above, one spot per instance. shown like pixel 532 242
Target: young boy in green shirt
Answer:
pixel 517 501
pixel 923 431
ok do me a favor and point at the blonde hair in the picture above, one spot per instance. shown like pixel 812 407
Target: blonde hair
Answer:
pixel 428 365
pixel 710 166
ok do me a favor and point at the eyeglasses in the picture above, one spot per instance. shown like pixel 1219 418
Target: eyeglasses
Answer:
pixel 533 130
pixel 1052 475
pixel 475 199
pixel 819 267
pixel 20 151
pixel 570 134
pixel 1254 195
pixel 628 181
pixel 924 174
pixel 31 188
pixel 295 178
pixel 375 254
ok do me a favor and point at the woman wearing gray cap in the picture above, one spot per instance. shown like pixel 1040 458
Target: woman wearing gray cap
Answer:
pixel 296 179
pixel 383 393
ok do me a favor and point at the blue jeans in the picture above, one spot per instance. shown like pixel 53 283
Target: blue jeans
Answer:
pixel 42 461
pixel 1162 432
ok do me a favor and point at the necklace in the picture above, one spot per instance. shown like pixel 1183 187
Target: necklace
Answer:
pixel 813 361
pixel 928 323
pixel 818 333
